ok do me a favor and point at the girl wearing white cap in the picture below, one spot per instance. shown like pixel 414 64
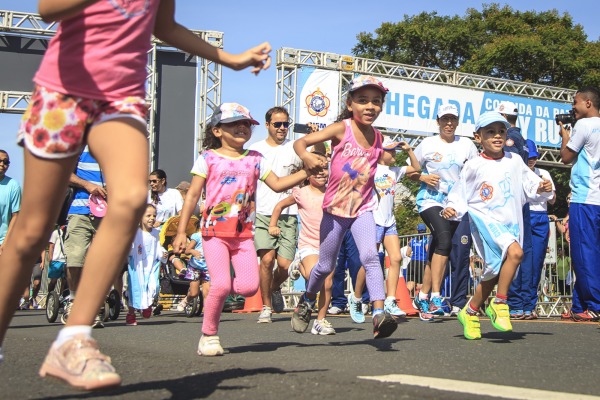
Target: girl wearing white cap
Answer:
pixel 441 157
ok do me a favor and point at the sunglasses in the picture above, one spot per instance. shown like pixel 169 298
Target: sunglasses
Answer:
pixel 5 162
pixel 280 124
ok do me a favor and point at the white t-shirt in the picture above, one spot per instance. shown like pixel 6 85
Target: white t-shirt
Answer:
pixel 543 204
pixel 283 161
pixel 169 204
pixel 444 159
pixel 58 254
pixel 585 174
pixel 386 179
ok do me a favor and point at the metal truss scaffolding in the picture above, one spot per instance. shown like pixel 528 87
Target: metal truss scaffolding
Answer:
pixel 208 83
pixel 289 61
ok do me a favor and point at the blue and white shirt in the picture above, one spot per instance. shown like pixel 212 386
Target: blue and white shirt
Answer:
pixel 88 170
pixel 585 175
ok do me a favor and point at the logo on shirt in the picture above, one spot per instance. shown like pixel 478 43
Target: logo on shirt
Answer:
pixel 486 192
pixel 131 8
pixel 437 157
pixel 510 142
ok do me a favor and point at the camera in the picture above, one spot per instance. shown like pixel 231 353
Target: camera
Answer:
pixel 568 118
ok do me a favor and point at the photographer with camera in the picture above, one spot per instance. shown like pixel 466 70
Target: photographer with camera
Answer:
pixel 582 146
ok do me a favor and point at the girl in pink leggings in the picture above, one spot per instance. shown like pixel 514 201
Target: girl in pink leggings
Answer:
pixel 229 174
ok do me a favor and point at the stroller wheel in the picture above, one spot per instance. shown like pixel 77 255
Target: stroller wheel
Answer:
pixel 52 306
pixel 191 308
pixel 114 305
pixel 105 311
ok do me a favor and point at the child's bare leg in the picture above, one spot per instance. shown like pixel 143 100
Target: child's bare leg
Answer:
pixel 391 243
pixel 482 292
pixel 205 288
pixel 121 148
pixel 44 179
pixel 325 297
pixel 194 290
pixel 361 279
pixel 514 255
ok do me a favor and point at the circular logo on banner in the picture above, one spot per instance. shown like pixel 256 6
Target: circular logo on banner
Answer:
pixel 317 103
pixel 510 142
pixel 464 239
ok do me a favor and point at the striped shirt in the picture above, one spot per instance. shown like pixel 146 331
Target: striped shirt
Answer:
pixel 88 170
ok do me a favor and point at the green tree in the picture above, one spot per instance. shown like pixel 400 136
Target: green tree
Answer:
pixel 539 47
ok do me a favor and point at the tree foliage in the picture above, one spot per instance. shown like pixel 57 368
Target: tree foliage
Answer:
pixel 542 47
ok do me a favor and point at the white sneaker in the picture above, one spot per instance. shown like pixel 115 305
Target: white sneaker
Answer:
pixel 333 310
pixel 182 305
pixel 455 311
pixel 365 308
pixel 210 346
pixel 265 316
pixel 322 327
pixel 294 269
pixel 390 305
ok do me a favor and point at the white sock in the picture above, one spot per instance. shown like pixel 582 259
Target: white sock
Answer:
pixel 69 332
pixel 392 298
pixel 423 296
pixel 435 294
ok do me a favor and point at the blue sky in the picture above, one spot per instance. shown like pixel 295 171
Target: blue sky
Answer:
pixel 324 25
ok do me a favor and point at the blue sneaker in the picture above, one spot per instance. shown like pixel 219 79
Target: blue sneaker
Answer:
pixel 436 306
pixel 423 307
pixel 356 311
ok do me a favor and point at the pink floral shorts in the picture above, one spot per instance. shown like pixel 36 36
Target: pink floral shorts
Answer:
pixel 55 125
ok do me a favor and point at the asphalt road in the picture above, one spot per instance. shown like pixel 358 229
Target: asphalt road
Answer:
pixel 157 360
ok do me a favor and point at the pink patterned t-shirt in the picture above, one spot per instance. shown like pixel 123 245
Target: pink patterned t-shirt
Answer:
pixel 101 53
pixel 230 188
pixel 351 176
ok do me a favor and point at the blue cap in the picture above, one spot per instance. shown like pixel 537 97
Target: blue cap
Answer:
pixel 421 228
pixel 488 118
pixel 532 149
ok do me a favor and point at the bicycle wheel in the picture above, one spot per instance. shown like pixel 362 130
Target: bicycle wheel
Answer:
pixel 52 306
pixel 114 304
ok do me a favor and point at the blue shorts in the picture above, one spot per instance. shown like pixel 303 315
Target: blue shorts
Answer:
pixel 383 231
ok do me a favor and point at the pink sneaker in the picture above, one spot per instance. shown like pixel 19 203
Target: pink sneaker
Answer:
pixel 130 319
pixel 79 363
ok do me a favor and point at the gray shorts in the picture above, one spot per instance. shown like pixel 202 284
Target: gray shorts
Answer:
pixel 285 243
pixel 80 232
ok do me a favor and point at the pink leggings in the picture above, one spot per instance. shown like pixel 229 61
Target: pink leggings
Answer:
pixel 220 253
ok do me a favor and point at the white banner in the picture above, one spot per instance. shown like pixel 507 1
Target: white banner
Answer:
pixel 412 106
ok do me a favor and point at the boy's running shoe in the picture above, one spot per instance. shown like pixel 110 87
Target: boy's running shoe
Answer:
pixel 436 306
pixel 209 346
pixel 516 314
pixel 147 312
pixel 294 268
pixel 301 316
pixel 264 316
pixel 322 327
pixel 334 310
pixel 277 301
pixel 582 317
pixel 383 325
pixel 182 305
pixel 470 323
pixel 391 306
pixel 454 312
pixel 421 305
pixel 500 316
pixel 79 362
pixel 356 309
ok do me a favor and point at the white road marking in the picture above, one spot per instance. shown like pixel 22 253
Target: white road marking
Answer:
pixel 476 388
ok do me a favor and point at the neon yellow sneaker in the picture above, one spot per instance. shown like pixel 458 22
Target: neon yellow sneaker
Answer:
pixel 472 330
pixel 500 316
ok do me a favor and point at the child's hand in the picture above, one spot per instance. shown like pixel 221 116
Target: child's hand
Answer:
pixel 431 179
pixel 314 163
pixel 545 186
pixel 404 146
pixel 257 57
pixel 179 243
pixel 448 212
pixel 274 231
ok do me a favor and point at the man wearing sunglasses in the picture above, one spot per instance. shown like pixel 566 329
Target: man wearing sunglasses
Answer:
pixel 279 153
pixel 10 199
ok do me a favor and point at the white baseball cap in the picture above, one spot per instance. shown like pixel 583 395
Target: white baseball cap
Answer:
pixel 446 109
pixel 508 108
